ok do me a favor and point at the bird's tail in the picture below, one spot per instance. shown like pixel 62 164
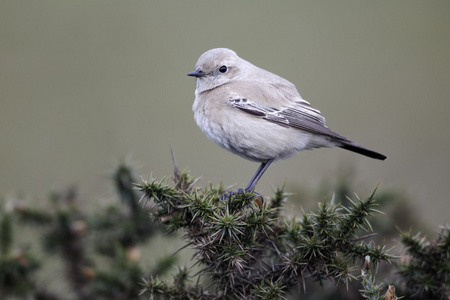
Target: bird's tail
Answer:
pixel 364 151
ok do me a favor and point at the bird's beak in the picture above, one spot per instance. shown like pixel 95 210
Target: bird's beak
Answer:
pixel 197 73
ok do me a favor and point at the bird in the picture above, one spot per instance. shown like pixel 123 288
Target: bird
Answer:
pixel 257 114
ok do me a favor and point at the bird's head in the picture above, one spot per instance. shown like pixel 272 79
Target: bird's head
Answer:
pixel 217 67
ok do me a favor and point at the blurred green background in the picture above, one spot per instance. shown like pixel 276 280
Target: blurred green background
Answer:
pixel 85 83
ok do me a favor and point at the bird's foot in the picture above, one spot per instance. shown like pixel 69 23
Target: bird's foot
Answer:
pixel 257 198
pixel 229 194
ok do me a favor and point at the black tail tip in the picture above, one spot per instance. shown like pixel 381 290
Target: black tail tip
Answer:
pixel 364 151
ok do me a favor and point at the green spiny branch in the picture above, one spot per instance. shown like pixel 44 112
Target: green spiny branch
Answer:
pixel 248 250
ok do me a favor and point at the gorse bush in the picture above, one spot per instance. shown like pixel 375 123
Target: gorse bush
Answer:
pixel 243 248
pixel 99 251
pixel 248 251
pixel 425 270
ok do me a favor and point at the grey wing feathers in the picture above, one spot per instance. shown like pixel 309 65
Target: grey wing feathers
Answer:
pixel 301 116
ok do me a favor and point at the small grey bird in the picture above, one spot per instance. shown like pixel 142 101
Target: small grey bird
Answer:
pixel 256 114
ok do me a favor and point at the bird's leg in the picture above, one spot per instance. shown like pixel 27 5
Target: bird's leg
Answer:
pixel 262 168
pixel 251 185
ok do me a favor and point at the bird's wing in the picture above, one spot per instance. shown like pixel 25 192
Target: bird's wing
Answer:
pixel 299 114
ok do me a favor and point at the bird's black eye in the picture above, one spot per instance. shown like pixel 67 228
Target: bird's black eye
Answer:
pixel 222 69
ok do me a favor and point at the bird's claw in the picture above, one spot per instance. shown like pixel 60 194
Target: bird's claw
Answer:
pixel 228 194
pixel 258 199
